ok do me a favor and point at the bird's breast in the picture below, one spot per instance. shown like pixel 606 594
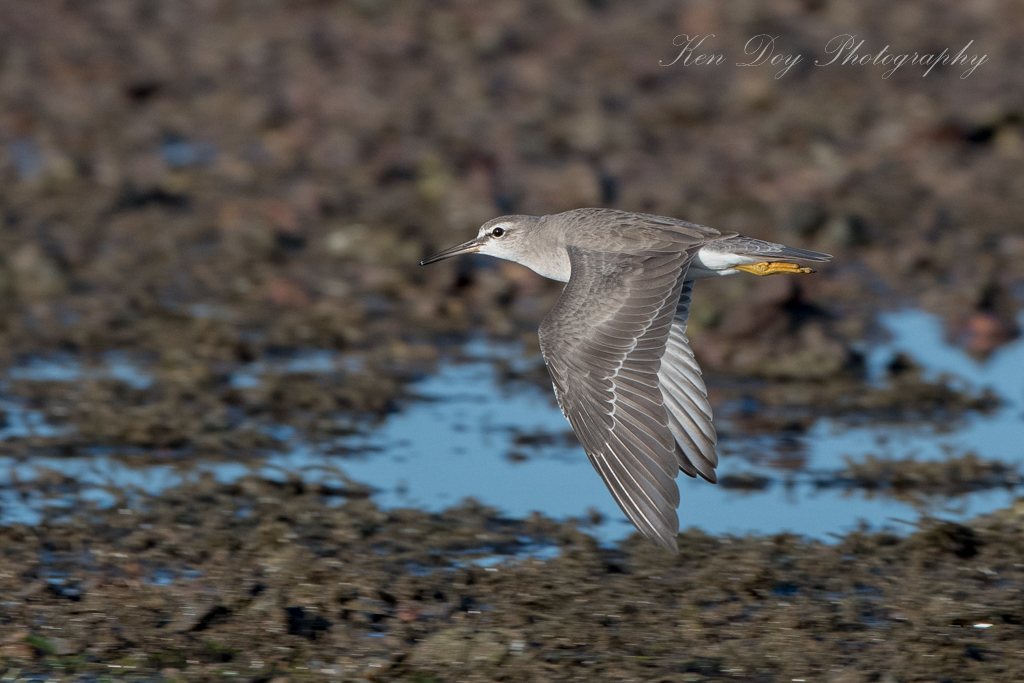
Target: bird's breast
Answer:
pixel 552 264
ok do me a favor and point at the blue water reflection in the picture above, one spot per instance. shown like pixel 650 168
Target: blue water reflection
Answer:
pixel 456 443
pixel 467 434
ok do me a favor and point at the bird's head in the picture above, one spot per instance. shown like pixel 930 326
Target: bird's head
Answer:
pixel 503 237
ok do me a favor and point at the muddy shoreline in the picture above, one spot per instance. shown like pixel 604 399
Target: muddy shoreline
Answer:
pixel 211 215
pixel 264 580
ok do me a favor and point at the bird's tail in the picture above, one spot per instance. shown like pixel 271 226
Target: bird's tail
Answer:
pixel 748 246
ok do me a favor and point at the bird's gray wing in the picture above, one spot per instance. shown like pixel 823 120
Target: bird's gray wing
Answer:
pixel 603 342
pixel 686 397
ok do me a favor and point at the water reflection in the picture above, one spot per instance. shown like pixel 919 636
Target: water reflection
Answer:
pixel 506 443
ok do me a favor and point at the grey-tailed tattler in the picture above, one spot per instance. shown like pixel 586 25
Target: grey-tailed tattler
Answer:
pixel 615 342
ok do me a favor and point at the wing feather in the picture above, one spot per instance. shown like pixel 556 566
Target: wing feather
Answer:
pixel 603 343
pixel 686 398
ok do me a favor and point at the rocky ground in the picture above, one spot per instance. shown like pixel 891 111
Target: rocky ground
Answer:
pixel 206 184
pixel 268 582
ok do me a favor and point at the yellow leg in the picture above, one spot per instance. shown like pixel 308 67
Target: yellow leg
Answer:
pixel 773 268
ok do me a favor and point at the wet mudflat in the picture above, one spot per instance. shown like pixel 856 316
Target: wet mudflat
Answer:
pixel 238 420
pixel 263 580
pixel 341 554
pixel 911 439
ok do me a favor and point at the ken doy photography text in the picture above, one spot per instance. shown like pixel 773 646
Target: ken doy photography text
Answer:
pixel 843 50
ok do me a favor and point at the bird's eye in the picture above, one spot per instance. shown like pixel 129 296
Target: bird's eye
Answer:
pixel 498 232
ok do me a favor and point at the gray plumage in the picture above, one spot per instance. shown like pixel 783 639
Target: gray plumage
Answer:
pixel 748 246
pixel 615 342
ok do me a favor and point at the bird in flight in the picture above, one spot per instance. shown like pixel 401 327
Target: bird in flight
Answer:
pixel 615 342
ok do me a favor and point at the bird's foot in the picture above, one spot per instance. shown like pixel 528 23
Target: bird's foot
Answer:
pixel 773 268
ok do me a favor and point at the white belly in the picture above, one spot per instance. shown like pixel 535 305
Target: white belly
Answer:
pixel 707 263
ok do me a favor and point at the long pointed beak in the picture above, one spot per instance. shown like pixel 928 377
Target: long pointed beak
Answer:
pixel 469 247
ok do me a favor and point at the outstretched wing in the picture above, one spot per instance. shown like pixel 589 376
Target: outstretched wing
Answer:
pixel 686 397
pixel 603 343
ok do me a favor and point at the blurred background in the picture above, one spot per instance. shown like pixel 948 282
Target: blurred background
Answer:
pixel 211 214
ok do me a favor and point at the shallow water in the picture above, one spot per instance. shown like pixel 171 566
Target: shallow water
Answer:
pixel 469 435
pixel 457 443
